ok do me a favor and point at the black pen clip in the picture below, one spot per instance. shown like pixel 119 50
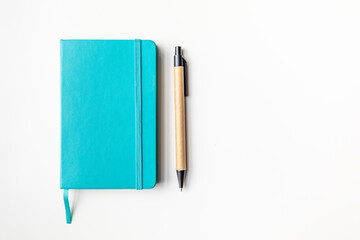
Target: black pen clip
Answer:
pixel 186 93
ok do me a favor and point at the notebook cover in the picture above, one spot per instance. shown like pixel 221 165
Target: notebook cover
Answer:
pixel 98 142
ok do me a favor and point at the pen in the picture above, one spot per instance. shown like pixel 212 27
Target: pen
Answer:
pixel 180 133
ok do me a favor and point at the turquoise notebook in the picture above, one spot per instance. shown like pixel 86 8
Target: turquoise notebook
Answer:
pixel 108 115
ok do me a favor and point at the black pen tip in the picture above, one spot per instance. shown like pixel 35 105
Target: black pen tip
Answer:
pixel 180 177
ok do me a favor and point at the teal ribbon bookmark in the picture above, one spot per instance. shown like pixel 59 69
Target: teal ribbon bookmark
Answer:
pixel 138 115
pixel 67 206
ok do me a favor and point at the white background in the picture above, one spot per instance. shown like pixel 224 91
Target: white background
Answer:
pixel 273 120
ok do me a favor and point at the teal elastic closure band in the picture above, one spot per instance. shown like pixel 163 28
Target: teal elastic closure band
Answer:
pixel 67 206
pixel 138 115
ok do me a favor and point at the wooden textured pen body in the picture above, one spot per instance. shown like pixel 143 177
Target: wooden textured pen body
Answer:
pixel 180 133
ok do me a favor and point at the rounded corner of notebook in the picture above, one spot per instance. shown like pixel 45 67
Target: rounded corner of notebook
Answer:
pixel 151 185
pixel 151 43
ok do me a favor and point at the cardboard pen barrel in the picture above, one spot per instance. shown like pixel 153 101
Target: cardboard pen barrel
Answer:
pixel 180 134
